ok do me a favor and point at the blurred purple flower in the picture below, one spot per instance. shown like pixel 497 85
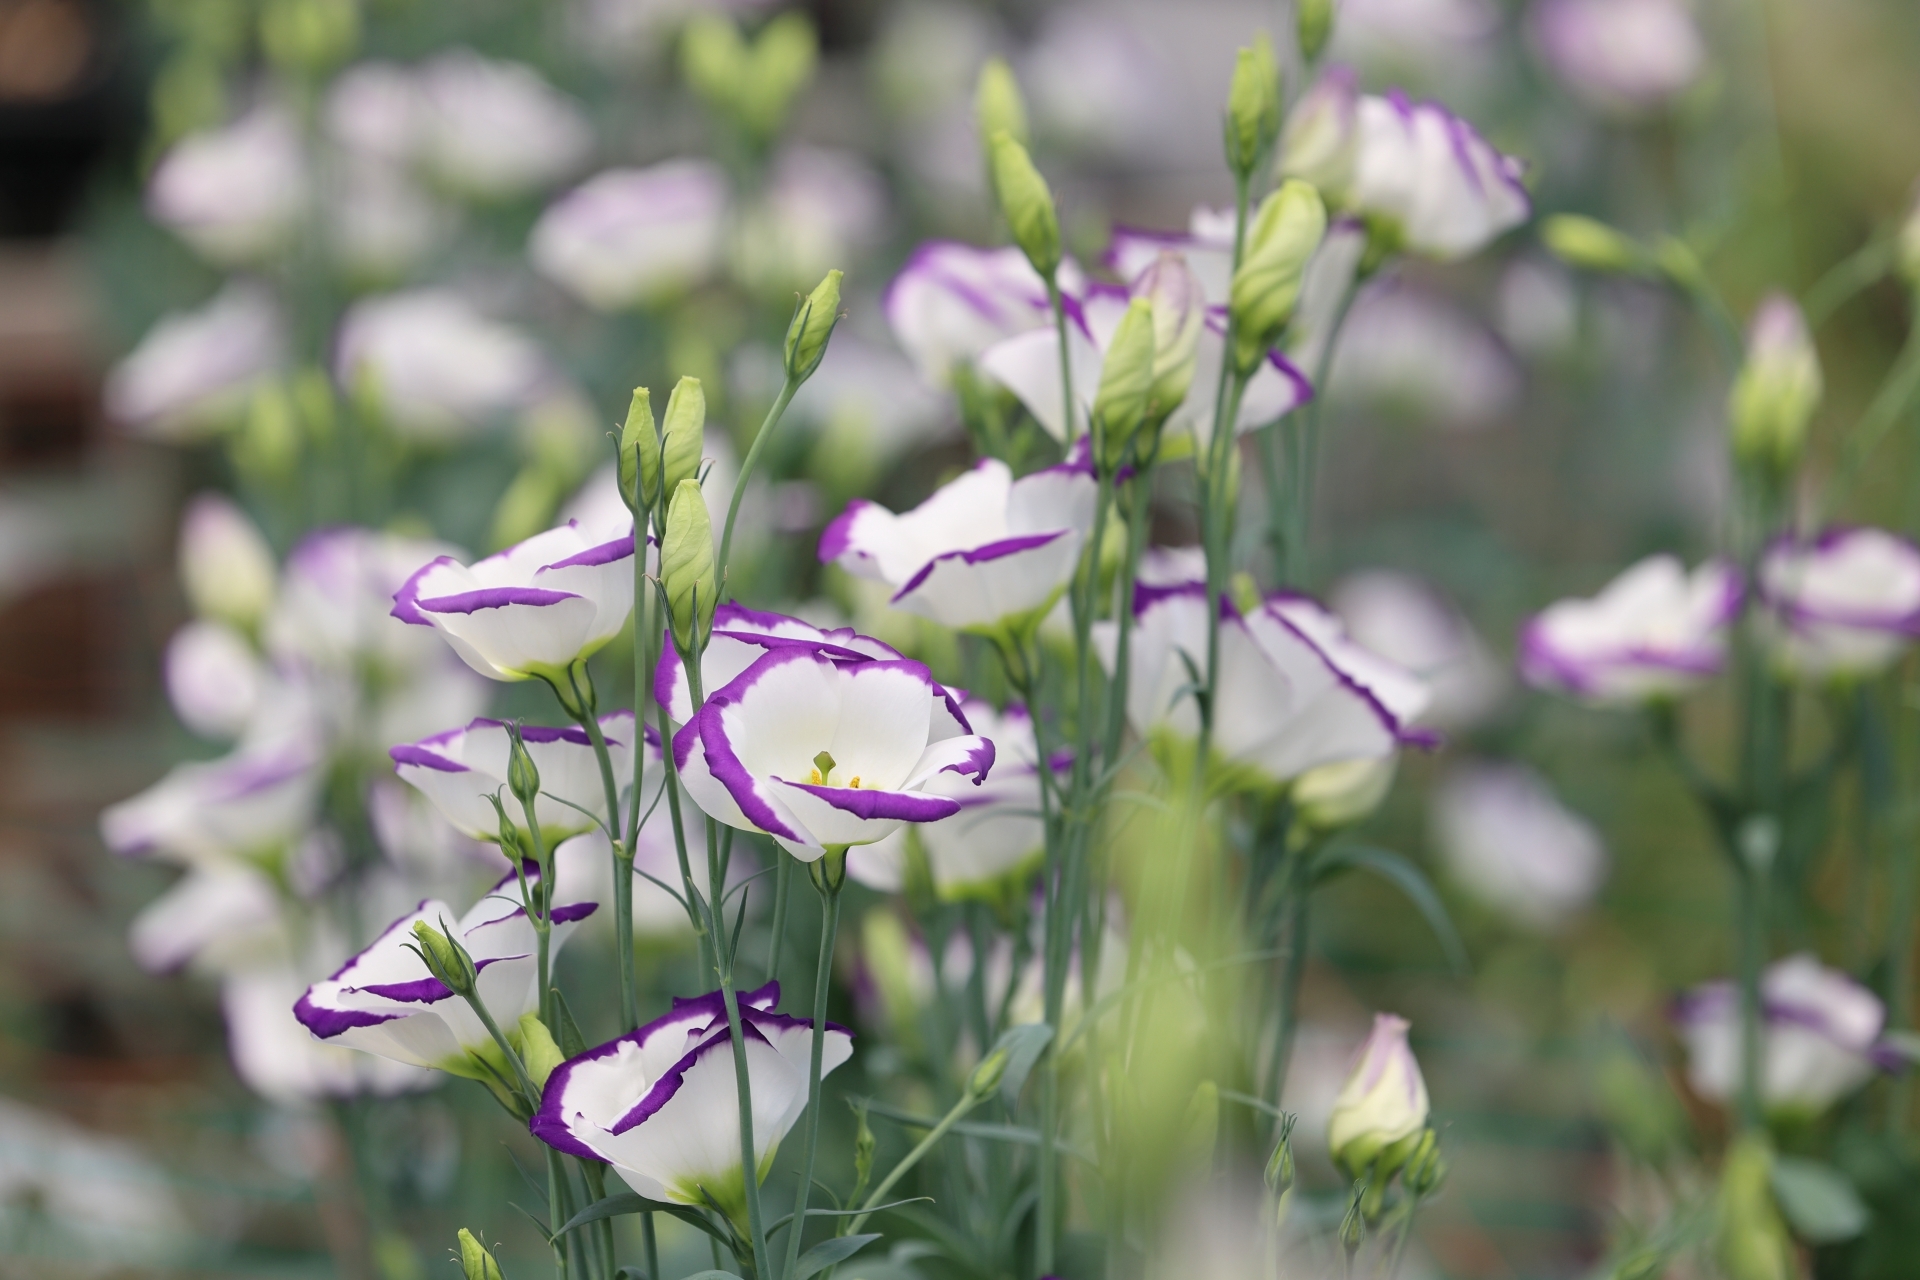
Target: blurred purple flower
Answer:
pixel 1655 632
pixel 1844 605
pixel 1509 841
pixel 435 365
pixel 494 129
pixel 194 372
pixel 1621 55
pixel 214 679
pixel 234 194
pixel 821 209
pixel 627 237
pixel 1407 621
pixel 1419 354
pixel 952 301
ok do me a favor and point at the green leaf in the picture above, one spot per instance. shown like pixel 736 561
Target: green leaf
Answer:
pixel 711 1274
pixel 572 1043
pixel 1024 1045
pixel 830 1253
pixel 787 1218
pixel 627 1202
pixel 1819 1203
pixel 1407 878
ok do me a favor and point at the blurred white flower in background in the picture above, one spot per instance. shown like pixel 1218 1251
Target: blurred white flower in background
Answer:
pixel 1620 55
pixel 1538 309
pixel 1094 82
pixel 821 208
pixel 494 129
pixel 1508 840
pixel 627 237
pixel 1421 355
pixel 437 367
pixel 85 1198
pixel 194 372
pixel 214 679
pixel 235 194
pixel 380 221
pixel 870 408
pixel 1406 620
pixel 1844 604
pixel 1437 42
pixel 372 110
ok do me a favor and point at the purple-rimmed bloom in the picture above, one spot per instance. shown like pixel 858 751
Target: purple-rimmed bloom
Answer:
pixel 532 610
pixel 1293 692
pixel 631 236
pixel 249 806
pixel 661 1103
pixel 194 372
pixel 280 1060
pixel 214 679
pixel 1846 604
pixel 1029 366
pixel 985 552
pixel 1656 631
pixel 952 301
pixel 819 753
pixel 1622 55
pixel 457 770
pixel 384 1001
pixel 1820 1042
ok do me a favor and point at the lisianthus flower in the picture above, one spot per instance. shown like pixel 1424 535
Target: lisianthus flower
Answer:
pixel 494 129
pixel 214 678
pixel 460 768
pixel 1293 691
pixel 1425 358
pixel 234 194
pixel 1621 55
pixel 952 301
pixel 532 610
pixel 985 552
pixel 438 368
pixel 1820 1040
pixel 380 220
pixel 818 753
pixel 194 372
pixel 1656 631
pixel 1415 171
pixel 279 1059
pixel 1507 838
pixel 1846 604
pixel 1384 1100
pixel 249 806
pixel 631 236
pixel 385 1001
pixel 661 1103
pixel 221 917
pixel 1029 366
pixel 819 207
pixel 1408 622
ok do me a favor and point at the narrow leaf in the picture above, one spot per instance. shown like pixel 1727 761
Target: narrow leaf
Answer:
pixel 627 1202
pixel 1407 878
pixel 1818 1201
pixel 830 1253
pixel 1024 1045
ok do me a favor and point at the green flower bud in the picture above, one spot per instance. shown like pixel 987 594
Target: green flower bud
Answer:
pixel 1120 405
pixel 475 1261
pixel 755 84
pixel 686 566
pixel 811 326
pixel 640 454
pixel 998 106
pixel 1424 1170
pixel 1591 245
pixel 864 1145
pixel 1313 25
pixel 1253 108
pixel 1284 235
pixel 269 443
pixel 1907 256
pixel 683 434
pixel 446 959
pixel 1778 388
pixel 986 1077
pixel 1330 796
pixel 1280 1172
pixel 309 35
pixel 523 778
pixel 1179 312
pixel 538 1052
pixel 1751 1238
pixel 713 57
pixel 1027 203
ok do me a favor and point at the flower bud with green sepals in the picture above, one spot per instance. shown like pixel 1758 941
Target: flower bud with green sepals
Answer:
pixel 1280 1171
pixel 1425 1170
pixel 1751 1238
pixel 782 62
pixel 1778 388
pixel 1592 245
pixel 811 327
pixel 1179 306
pixel 538 1052
pixel 226 565
pixel 1382 1104
pixel 683 434
pixel 640 455
pixel 1026 202
pixel 1282 240
pixel 986 1077
pixel 445 958
pixel 1313 25
pixel 475 1261
pixel 713 57
pixel 998 106
pixel 687 568
pixel 1253 109
pixel 1320 143
pixel 1120 405
pixel 523 776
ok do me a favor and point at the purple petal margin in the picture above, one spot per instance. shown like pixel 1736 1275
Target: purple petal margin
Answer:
pixel 979 555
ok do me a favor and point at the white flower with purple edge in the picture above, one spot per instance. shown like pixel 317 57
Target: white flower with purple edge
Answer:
pixel 1408 621
pixel 215 681
pixel 249 806
pixel 457 770
pixel 1293 692
pixel 532 610
pixel 1844 604
pixel 235 194
pixel 384 1001
pixel 952 301
pixel 279 1059
pixel 1820 1038
pixel 631 236
pixel 824 754
pixel 661 1103
pixel 1655 632
pixel 985 552
pixel 194 371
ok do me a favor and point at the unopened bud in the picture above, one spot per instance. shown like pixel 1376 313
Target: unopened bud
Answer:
pixel 713 57
pixel 269 443
pixel 1321 139
pixel 640 455
pixel 523 776
pixel 986 1077
pixel 309 35
pixel 1591 245
pixel 475 1261
pixel 753 84
pixel 864 1145
pixel 446 959
pixel 1280 1172
pixel 538 1051
pixel 1253 108
pixel 1752 1240
pixel 225 563
pixel 1330 796
pixel 1425 1170
pixel 998 106
pixel 1382 1108
pixel 1313 25
pixel 683 434
pixel 1244 592
pixel 1027 203
pixel 811 326
pixel 1778 388
pixel 1280 243
pixel 1179 312
pixel 686 567
pixel 1120 405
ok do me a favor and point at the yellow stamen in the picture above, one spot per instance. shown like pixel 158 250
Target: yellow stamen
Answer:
pixel 813 776
pixel 856 782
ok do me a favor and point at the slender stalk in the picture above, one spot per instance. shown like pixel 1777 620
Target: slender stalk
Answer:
pixel 954 1116
pixel 623 851
pixel 542 918
pixel 1893 401
pixel 650 1245
pixel 1297 515
pixel 1070 422
pixel 760 438
pixel 594 1175
pixel 828 885
pixel 559 1210
pixel 1288 1018
pixel 782 879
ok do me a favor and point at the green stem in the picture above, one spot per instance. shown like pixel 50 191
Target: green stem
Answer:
pixel 772 420
pixel 1859 270
pixel 1070 422
pixel 622 852
pixel 542 919
pixel 828 885
pixel 595 1176
pixel 1892 402
pixel 954 1116
pixel 650 1245
pixel 782 879
pixel 1299 892
pixel 1298 513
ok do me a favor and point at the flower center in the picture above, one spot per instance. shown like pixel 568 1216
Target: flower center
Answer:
pixel 822 775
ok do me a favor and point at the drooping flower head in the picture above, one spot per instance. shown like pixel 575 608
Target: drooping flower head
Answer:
pixel 1656 631
pixel 985 552
pixel 661 1103
pixel 457 770
pixel 1846 604
pixel 531 610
